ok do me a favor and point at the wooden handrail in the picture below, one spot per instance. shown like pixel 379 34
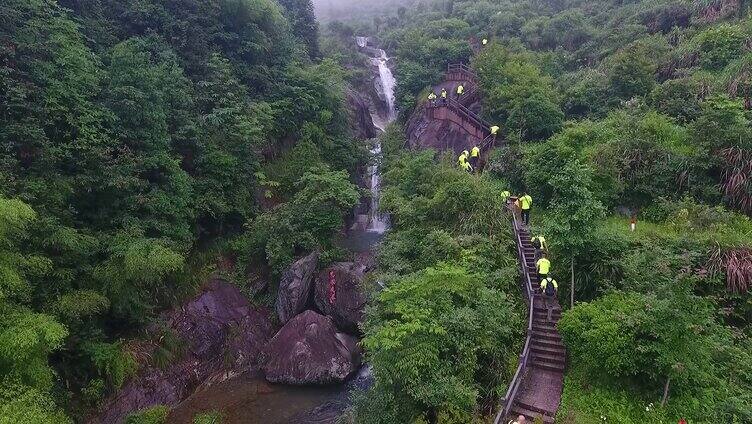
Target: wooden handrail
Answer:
pixel 508 400
pixel 464 112
pixel 469 115
pixel 463 68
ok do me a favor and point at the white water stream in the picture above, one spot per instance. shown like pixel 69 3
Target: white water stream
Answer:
pixel 384 84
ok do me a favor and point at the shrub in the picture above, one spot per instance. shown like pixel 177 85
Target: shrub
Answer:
pixel 674 335
pixel 631 73
pixel 431 333
pixel 677 98
pixel 309 219
pixel 154 415
pixel 212 417
pixel 720 45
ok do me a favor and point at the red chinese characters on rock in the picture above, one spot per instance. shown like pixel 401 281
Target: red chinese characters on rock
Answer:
pixel 332 287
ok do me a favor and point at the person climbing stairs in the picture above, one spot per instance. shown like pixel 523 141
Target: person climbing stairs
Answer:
pixel 540 391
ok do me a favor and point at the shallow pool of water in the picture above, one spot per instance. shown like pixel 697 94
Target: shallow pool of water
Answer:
pixel 249 399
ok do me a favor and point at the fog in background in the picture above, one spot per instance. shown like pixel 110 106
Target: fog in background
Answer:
pixel 354 10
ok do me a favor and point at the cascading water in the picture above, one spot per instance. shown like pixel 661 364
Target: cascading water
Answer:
pixel 385 85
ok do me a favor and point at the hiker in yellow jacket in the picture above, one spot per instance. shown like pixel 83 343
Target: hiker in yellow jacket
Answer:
pixel 543 266
pixel 432 98
pixel 549 287
pixel 474 156
pixel 540 245
pixel 526 202
pixel 494 131
pixel 505 195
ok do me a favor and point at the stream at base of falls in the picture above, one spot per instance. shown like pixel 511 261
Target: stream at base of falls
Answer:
pixel 248 398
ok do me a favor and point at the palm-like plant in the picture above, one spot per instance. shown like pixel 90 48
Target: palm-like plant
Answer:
pixel 737 177
pixel 737 265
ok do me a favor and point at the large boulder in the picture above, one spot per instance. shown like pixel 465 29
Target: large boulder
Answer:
pixel 222 333
pixel 218 318
pixel 338 294
pixel 295 287
pixel 310 350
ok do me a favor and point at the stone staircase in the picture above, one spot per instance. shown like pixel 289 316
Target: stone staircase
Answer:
pixel 540 390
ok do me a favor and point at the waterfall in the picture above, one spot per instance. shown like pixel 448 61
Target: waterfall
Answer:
pixel 377 222
pixel 385 85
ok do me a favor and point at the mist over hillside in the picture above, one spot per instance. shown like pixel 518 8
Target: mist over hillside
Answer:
pixel 328 10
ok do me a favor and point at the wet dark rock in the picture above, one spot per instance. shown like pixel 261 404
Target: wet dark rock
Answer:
pixel 310 350
pixel 361 122
pixel 338 294
pixel 295 287
pixel 220 311
pixel 221 332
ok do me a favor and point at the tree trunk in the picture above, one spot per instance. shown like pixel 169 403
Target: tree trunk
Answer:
pixel 571 294
pixel 665 391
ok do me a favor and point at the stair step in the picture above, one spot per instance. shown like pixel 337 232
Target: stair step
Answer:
pixel 542 318
pixel 556 359
pixel 550 329
pixel 546 344
pixel 548 350
pixel 538 335
pixel 555 313
pixel 530 415
pixel 550 366
pixel 542 310
pixel 535 409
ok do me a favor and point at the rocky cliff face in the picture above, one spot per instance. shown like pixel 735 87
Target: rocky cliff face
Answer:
pixel 222 333
pixel 425 133
pixel 361 122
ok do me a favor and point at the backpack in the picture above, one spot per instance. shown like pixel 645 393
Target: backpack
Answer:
pixel 536 243
pixel 550 289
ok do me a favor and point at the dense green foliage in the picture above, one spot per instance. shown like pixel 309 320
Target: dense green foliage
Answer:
pixel 133 134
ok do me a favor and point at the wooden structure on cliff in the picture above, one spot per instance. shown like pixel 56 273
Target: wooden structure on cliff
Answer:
pixel 457 111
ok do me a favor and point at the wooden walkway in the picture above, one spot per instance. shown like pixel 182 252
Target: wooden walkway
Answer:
pixel 456 110
pixel 535 389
